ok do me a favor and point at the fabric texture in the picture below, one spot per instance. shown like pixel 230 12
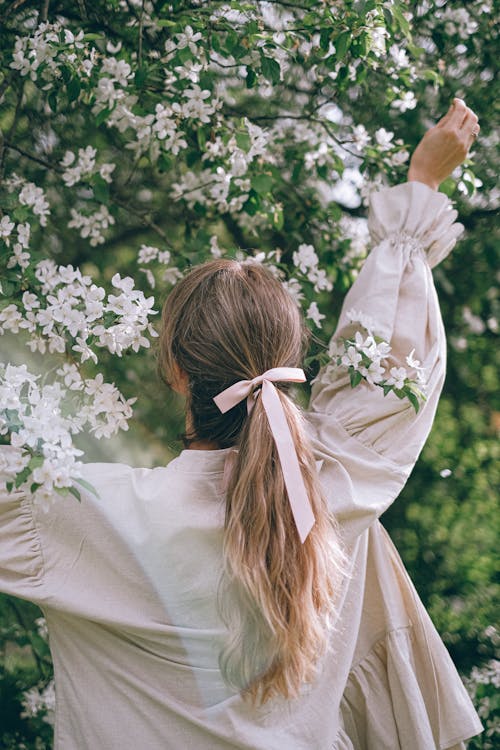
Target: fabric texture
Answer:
pixel 128 582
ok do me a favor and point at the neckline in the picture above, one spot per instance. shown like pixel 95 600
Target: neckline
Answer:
pixel 191 459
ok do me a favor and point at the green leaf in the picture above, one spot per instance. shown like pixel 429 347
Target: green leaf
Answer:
pixel 324 42
pixel 22 477
pixel 402 21
pixel 66 73
pixel 262 183
pixel 184 55
pixel 322 171
pixel 233 42
pixel 448 187
pixel 253 203
pixel 359 46
pixel 201 137
pixel 52 100
pixel 243 141
pixel 334 211
pixel 271 70
pixel 414 401
pixel 73 88
pixel 297 169
pixel 87 485
pixel 251 78
pixel 35 462
pixel 140 77
pixel 164 163
pixel 342 44
pixel 7 289
pixel 102 116
pixel 192 157
pixel 355 377
pixel 21 213
pixel 101 189
pixel 73 491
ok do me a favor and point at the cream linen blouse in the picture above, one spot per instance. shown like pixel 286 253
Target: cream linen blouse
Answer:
pixel 128 583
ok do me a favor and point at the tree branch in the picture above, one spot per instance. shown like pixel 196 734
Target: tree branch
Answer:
pixel 141 28
pixel 15 5
pixel 32 157
pixel 45 11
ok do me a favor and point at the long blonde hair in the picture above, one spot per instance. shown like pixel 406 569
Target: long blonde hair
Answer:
pixel 228 321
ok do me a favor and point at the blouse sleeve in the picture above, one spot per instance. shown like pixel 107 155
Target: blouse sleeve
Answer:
pixel 369 442
pixel 21 560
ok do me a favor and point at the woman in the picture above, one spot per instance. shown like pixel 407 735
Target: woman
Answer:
pixel 245 596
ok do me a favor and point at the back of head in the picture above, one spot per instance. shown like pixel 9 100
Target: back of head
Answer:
pixel 228 321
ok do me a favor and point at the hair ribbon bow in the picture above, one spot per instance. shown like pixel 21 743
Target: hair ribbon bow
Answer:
pixel 292 475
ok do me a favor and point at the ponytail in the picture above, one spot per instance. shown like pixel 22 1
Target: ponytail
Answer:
pixel 225 322
pixel 278 595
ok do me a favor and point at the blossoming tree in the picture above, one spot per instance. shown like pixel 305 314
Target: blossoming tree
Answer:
pixel 139 137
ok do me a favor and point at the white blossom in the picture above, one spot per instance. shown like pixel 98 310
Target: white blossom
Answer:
pixel 374 373
pixel 23 234
pixel 378 35
pixel 294 289
pixel 19 257
pixel 188 39
pixel 305 258
pixel 314 314
pixel 357 316
pixel 397 377
pixel 92 226
pixel 215 250
pixel 6 227
pixel 34 197
pixel 399 56
pixel 10 319
pixel 147 253
pixel 351 358
pixel 384 138
pixel 360 137
pixel 406 101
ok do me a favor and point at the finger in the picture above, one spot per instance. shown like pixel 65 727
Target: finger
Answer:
pixel 470 120
pixel 459 114
pixel 473 133
pixel 447 117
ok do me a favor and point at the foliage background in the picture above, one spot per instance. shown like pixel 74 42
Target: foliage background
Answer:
pixel 320 81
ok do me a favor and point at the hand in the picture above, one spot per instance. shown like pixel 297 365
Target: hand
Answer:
pixel 444 146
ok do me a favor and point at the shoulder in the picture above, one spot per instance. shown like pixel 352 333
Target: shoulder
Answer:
pixel 120 482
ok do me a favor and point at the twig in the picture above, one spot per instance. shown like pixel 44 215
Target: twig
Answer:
pixel 32 157
pixel 15 5
pixel 144 220
pixel 83 9
pixel 141 27
pixel 45 11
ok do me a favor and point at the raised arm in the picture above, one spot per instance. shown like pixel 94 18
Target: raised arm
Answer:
pixel 369 442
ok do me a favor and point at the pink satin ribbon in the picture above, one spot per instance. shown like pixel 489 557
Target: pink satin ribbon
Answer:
pixel 294 482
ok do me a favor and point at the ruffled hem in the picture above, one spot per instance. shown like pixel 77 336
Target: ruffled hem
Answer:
pixel 384 706
pixel 418 215
pixel 403 691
